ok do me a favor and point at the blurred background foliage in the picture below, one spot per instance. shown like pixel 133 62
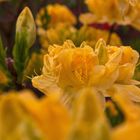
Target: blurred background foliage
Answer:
pixel 10 9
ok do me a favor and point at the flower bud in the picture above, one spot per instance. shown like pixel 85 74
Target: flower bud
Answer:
pixel 26 25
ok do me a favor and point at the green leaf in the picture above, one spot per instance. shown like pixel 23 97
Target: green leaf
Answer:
pixel 114 116
pixel 33 66
pixel 2 55
pixel 20 55
pixel 3 67
pixel 137 72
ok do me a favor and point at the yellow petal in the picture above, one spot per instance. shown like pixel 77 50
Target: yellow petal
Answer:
pixel 52 117
pixel 45 84
pixel 126 73
pixel 15 121
pixel 100 49
pixel 130 91
pixel 88 118
pixel 129 129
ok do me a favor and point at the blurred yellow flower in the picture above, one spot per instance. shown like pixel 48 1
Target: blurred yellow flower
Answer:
pixel 133 2
pixel 53 28
pixel 52 15
pixel 90 35
pixel 15 122
pixel 51 116
pixel 23 116
pixel 62 32
pixel 129 129
pixel 56 35
pixel 123 12
pixel 58 122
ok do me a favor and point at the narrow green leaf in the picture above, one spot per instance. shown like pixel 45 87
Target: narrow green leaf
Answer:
pixel 137 72
pixel 20 55
pixel 2 55
pixel 4 71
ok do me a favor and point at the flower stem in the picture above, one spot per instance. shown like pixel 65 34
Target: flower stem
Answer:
pixel 112 29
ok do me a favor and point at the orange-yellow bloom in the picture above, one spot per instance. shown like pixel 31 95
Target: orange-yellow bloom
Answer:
pixel 124 12
pixel 107 68
pixel 52 15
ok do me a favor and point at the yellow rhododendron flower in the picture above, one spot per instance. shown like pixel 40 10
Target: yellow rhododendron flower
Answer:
pixel 90 35
pixel 129 129
pixel 56 35
pixel 68 67
pixel 54 13
pixel 22 115
pixel 53 29
pixel 127 64
pixel 86 18
pixel 125 83
pixel 62 32
pixel 123 12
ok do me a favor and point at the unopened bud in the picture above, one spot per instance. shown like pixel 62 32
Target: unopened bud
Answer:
pixel 26 24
